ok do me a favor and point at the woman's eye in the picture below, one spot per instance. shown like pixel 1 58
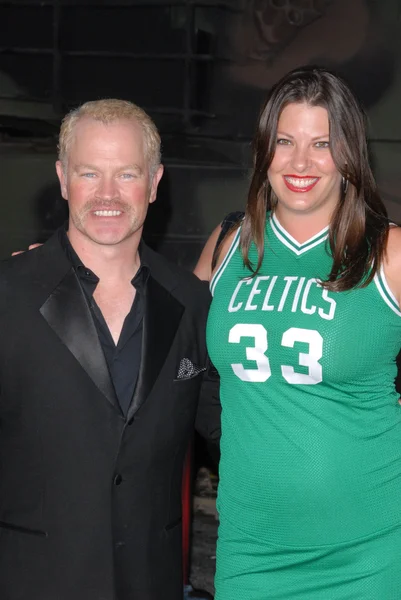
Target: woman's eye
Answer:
pixel 283 142
pixel 322 144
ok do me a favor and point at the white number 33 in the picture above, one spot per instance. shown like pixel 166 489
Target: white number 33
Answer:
pixel 257 353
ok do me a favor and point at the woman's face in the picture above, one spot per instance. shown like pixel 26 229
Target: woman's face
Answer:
pixel 302 173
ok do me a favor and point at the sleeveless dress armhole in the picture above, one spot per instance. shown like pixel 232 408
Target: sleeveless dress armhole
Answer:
pixel 227 224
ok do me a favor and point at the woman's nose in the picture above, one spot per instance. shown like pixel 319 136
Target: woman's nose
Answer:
pixel 301 159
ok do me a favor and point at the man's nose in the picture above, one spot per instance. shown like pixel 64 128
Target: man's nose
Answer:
pixel 107 188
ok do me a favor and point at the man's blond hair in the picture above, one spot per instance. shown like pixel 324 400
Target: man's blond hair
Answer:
pixel 108 111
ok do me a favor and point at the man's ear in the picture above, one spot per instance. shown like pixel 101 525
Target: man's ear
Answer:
pixel 62 179
pixel 155 182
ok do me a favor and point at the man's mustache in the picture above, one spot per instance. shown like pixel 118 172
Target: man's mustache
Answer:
pixel 106 204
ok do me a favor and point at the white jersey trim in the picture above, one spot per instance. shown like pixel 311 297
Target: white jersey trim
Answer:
pixel 386 293
pixel 292 243
pixel 219 272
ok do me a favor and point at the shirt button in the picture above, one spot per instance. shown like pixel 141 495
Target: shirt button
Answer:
pixel 118 479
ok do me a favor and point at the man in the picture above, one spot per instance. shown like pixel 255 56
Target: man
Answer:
pixel 102 361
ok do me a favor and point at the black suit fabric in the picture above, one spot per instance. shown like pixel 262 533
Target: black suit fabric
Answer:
pixel 90 499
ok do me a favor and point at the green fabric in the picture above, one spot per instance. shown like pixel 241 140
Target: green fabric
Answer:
pixel 366 569
pixel 311 425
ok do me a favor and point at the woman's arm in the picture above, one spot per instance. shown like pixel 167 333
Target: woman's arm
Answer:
pixel 226 232
pixel 392 262
pixel 203 268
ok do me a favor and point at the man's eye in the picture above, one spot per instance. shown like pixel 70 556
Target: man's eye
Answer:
pixel 127 176
pixel 89 175
pixel 283 142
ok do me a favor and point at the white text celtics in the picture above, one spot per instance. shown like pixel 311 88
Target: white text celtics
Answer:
pixel 274 293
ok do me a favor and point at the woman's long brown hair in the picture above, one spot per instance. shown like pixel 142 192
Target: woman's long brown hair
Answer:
pixel 359 226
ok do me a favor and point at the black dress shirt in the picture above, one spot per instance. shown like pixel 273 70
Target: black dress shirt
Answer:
pixel 123 359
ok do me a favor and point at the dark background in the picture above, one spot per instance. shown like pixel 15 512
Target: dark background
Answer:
pixel 201 69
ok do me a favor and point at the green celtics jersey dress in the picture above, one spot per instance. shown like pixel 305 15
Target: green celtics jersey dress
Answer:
pixel 310 474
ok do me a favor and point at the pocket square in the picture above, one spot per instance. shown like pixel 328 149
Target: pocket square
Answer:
pixel 188 369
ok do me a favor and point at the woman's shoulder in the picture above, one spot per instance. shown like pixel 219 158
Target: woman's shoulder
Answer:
pixel 218 245
pixel 393 248
pixel 392 261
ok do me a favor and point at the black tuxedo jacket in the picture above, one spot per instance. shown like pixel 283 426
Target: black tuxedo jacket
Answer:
pixel 90 501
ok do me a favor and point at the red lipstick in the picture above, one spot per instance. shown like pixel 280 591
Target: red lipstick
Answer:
pixel 292 180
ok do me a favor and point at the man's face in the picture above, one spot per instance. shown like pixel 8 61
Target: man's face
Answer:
pixel 107 181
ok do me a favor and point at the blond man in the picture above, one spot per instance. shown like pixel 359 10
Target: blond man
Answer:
pixel 103 373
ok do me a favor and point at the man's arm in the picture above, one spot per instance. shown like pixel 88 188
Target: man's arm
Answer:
pixel 209 408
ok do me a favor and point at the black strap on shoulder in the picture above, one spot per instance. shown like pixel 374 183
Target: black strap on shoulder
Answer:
pixel 227 224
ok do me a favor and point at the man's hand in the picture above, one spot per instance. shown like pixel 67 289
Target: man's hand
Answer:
pixel 30 247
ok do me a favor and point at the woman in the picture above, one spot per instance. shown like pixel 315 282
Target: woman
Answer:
pixel 304 328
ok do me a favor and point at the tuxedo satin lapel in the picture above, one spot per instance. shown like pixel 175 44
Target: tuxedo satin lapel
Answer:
pixel 68 314
pixel 162 315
